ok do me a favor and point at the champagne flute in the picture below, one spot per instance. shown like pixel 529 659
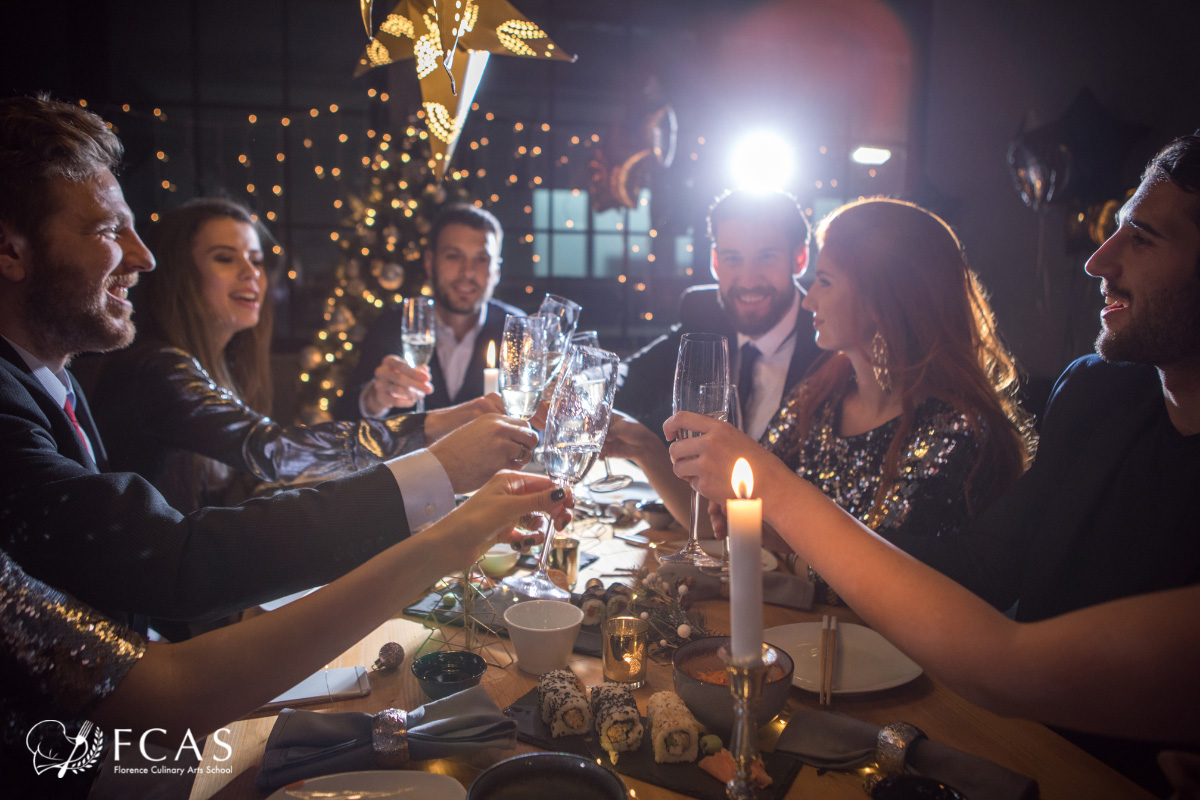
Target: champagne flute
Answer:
pixel 418 335
pixel 522 365
pixel 575 429
pixel 566 312
pixel 701 386
pixel 610 482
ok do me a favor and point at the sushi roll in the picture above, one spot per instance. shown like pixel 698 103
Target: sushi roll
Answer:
pixel 617 720
pixel 563 704
pixel 593 609
pixel 674 732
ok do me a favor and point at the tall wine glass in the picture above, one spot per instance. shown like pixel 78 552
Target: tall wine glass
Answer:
pixel 522 365
pixel 609 482
pixel 418 335
pixel 566 312
pixel 701 386
pixel 575 429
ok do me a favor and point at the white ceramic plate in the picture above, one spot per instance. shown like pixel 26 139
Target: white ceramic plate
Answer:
pixel 866 662
pixel 716 549
pixel 401 784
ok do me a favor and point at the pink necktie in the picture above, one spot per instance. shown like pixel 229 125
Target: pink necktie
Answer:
pixel 70 409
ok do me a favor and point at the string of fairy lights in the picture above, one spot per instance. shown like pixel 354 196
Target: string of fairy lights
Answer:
pixel 380 230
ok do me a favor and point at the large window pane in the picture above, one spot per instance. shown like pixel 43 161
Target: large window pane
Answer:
pixel 570 209
pixel 569 255
pixel 608 256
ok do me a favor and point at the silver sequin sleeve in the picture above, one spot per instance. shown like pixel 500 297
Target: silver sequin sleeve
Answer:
pixel 58 655
pixel 188 411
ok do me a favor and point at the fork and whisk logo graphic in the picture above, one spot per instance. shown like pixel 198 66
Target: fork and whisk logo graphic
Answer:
pixel 58 752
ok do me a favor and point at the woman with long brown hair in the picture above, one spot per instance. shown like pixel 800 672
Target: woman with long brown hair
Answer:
pixel 188 405
pixel 910 421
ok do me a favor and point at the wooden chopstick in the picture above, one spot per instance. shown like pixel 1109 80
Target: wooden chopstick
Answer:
pixel 822 660
pixel 831 655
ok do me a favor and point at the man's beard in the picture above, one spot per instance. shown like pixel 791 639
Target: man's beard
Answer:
pixel 67 316
pixel 1166 332
pixel 778 305
pixel 443 300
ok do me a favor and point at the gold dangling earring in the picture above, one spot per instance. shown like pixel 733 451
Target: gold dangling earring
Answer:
pixel 879 363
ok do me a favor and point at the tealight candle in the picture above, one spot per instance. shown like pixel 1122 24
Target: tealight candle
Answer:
pixel 491 375
pixel 745 566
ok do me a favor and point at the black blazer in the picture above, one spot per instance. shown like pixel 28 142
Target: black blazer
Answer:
pixel 648 376
pixel 384 339
pixel 110 538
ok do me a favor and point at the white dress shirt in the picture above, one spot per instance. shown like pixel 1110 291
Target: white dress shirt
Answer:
pixel 770 371
pixel 424 485
pixel 454 354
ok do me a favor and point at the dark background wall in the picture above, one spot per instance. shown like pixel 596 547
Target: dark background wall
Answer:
pixel 946 84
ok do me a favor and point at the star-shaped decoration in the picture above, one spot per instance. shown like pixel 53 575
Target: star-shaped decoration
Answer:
pixel 458 36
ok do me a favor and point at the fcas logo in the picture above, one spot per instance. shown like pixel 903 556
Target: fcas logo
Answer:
pixel 58 752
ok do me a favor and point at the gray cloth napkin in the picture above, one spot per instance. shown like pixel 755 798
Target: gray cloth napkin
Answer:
pixel 779 588
pixel 827 740
pixel 305 744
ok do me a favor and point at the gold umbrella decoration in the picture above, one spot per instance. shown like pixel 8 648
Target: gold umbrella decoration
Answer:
pixel 433 31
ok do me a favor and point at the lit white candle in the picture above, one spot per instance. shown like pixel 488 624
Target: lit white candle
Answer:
pixel 745 566
pixel 491 375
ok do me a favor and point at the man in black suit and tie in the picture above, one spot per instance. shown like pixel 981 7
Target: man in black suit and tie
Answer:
pixel 68 257
pixel 759 246
pixel 463 266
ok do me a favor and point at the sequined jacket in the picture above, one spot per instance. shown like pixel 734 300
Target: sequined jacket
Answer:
pixel 157 407
pixel 58 658
pixel 927 497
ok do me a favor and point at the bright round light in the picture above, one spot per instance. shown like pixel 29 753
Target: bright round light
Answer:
pixel 761 162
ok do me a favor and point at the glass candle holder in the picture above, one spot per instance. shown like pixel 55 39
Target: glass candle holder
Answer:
pixel 564 556
pixel 624 650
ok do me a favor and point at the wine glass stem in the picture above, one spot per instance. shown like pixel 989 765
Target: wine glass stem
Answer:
pixel 421 405
pixel 547 543
pixel 694 536
pixel 607 470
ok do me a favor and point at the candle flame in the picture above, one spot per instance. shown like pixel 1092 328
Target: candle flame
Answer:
pixel 743 479
pixel 491 354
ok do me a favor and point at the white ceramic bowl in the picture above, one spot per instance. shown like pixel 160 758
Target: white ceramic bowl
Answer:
pixel 543 633
pixel 498 561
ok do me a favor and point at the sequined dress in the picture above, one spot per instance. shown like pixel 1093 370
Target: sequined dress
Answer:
pixel 159 409
pixel 927 497
pixel 58 658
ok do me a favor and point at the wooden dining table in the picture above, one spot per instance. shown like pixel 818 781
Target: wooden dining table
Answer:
pixel 1061 769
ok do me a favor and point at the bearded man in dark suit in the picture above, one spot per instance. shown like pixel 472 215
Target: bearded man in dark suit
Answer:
pixel 463 266
pixel 759 246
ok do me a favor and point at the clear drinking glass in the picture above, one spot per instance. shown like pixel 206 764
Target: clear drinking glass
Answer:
pixel 522 365
pixel 575 429
pixel 701 386
pixel 566 312
pixel 610 482
pixel 418 335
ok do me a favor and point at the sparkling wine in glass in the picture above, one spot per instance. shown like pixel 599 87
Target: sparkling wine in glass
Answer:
pixel 608 482
pixel 701 386
pixel 558 339
pixel 576 425
pixel 522 365
pixel 418 335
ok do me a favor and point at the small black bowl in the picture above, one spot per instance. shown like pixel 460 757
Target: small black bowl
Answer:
pixel 548 775
pixel 443 674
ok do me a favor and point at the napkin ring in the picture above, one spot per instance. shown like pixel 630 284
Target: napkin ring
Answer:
pixel 892 744
pixel 389 738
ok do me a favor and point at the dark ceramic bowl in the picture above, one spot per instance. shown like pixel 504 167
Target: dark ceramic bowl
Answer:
pixel 443 674
pixel 655 513
pixel 913 787
pixel 547 775
pixel 711 703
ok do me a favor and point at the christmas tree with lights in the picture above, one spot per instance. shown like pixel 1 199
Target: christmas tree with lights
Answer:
pixel 382 238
